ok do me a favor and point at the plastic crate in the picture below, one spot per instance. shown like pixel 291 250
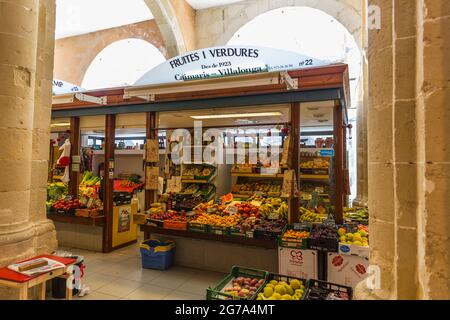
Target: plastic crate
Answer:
pixel 155 222
pixel 175 225
pixel 157 254
pixel 287 279
pixel 236 271
pixel 267 234
pixel 293 243
pixel 236 232
pixel 198 227
pixel 319 290
pixel 323 244
pixel 219 230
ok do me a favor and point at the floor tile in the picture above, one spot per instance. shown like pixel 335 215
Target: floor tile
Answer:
pixel 149 292
pixel 116 270
pixel 95 295
pixel 179 295
pixel 120 287
pixel 142 275
pixel 198 284
pixel 171 280
pixel 97 280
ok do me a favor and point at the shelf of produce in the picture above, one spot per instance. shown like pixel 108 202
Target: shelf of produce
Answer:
pixel 315 177
pixel 91 221
pixel 257 175
pixel 199 180
pixel 268 244
pixel 237 195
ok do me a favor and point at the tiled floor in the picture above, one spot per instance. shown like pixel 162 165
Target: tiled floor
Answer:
pixel 119 275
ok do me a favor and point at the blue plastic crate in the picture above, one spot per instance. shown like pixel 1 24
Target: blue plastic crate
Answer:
pixel 157 254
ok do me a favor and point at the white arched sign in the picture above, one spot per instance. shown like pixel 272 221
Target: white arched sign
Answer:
pixel 226 61
pixel 62 87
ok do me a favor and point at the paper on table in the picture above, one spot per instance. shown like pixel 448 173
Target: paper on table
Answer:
pixel 52 265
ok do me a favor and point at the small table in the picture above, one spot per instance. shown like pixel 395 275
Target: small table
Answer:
pixel 13 279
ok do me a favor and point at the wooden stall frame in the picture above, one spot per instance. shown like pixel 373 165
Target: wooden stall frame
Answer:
pixel 328 83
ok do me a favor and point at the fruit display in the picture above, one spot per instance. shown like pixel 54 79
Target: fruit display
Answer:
pixel 67 205
pixel 209 207
pixel 243 287
pixel 192 171
pixel 317 163
pixel 281 290
pixel 247 210
pixel 324 232
pixel 128 183
pixel 274 208
pixel 269 229
pixel 186 202
pixel 257 187
pixel 89 179
pixel 359 238
pixel 295 236
pixel 306 215
pixel 163 215
pixel 247 225
pixel 353 214
pixel 216 220
pixel 56 191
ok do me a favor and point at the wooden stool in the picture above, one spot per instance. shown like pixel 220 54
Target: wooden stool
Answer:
pixel 12 279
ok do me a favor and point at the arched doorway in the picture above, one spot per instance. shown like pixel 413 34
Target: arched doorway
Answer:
pixel 121 63
pixel 314 33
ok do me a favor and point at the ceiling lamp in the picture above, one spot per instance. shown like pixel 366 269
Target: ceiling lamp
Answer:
pixel 236 115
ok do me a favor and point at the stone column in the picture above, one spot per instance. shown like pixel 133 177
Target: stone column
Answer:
pixel 18 43
pixel 26 61
pixel 45 240
pixel 409 152
pixel 433 148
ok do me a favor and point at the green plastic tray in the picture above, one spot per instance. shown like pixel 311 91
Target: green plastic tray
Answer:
pixel 236 271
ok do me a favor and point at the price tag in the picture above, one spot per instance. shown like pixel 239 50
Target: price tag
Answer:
pixel 232 210
pixel 219 232
pixel 249 234
pixel 259 193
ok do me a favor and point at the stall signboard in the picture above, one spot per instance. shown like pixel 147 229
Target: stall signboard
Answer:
pixel 124 219
pixel 297 263
pixel 227 61
pixel 346 270
pixel 62 87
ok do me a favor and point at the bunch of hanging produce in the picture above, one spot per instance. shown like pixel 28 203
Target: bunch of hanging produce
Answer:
pixel 89 179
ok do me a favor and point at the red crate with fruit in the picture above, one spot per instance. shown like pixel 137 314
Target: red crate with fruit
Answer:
pixel 67 206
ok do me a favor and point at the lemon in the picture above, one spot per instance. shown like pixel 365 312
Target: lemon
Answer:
pixel 268 292
pixel 276 296
pixel 295 284
pixel 280 289
pixel 289 289
pixel 273 282
pixel 286 297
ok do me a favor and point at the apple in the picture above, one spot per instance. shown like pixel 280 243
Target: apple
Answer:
pixel 252 288
pixel 253 282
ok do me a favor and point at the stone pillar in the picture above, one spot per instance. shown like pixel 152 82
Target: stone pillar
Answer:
pixel 433 148
pixel 18 43
pixel 45 240
pixel 409 152
pixel 26 62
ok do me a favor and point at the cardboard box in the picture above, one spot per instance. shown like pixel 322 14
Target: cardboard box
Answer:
pixel 297 263
pixel 346 270
pixel 353 249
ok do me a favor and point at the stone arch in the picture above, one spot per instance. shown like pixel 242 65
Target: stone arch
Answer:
pixel 121 63
pixel 73 55
pixel 224 22
pixel 176 20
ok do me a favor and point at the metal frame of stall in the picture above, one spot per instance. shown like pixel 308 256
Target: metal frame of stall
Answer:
pixel 330 83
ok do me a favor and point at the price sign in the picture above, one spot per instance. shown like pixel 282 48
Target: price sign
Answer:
pixel 232 210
